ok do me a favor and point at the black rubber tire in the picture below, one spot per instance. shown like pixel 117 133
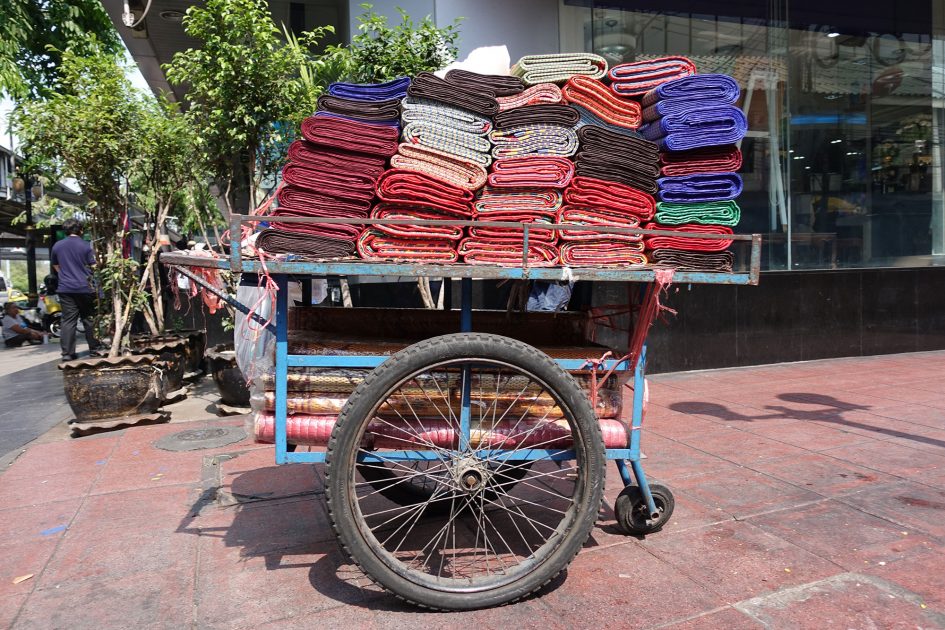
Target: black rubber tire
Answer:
pixel 631 512
pixel 345 442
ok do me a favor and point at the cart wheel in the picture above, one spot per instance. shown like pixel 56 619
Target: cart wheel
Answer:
pixel 510 524
pixel 632 514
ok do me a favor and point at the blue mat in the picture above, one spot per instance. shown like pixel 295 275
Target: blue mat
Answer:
pixel 395 88
pixel 700 188
pixel 697 126
pixel 701 87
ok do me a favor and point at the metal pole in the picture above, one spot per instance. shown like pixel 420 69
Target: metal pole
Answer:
pixel 33 295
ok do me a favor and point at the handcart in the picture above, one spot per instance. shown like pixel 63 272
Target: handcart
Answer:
pixel 467 470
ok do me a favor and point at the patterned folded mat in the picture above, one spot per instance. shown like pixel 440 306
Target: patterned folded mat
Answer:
pixel 559 68
pixel 638 78
pixel 688 243
pixel 425 110
pixel 698 127
pixel 313 202
pixel 313 156
pixel 514 235
pixel 496 84
pixel 428 85
pixel 327 230
pixel 698 87
pixel 537 114
pixel 602 253
pixel 401 186
pixel 700 188
pixel 395 88
pixel 693 261
pixel 375 245
pixel 586 215
pixel 349 135
pixel 415 212
pixel 534 140
pixel 599 193
pixel 283 242
pixel 531 171
pixel 480 251
pixel 596 98
pixel 446 167
pixel 722 159
pixel 367 111
pixel 504 199
pixel 465 145
pixel 541 94
pixel 708 213
pixel 342 183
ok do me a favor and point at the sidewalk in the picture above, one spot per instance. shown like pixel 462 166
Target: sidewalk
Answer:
pixel 808 495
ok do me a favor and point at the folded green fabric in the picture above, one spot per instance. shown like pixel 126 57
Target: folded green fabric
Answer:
pixel 535 69
pixel 708 213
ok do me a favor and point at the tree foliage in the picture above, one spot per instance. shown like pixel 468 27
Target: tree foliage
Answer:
pixel 33 34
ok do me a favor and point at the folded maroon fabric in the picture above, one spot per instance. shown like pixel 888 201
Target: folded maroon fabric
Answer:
pixel 369 111
pixel 346 184
pixel 688 243
pixel 537 114
pixel 313 203
pixel 327 230
pixel 531 171
pixel 407 211
pixel 723 159
pixel 599 193
pixel 350 135
pixel 638 78
pixel 318 157
pixel 602 253
pixel 282 242
pixel 496 84
pixel 693 261
pixel 481 251
pixel 374 245
pixel 402 186
pixel 515 235
pixel 518 199
pixel 585 215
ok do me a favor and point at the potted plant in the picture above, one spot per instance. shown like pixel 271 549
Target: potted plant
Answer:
pixel 221 362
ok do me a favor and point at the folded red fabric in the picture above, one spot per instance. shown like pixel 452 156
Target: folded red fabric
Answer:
pixel 327 230
pixel 602 253
pixel 541 94
pixel 350 135
pixel 531 171
pixel 638 78
pixel 313 203
pixel 515 235
pixel 518 199
pixel 375 245
pixel 399 210
pixel 346 184
pixel 481 251
pixel 599 193
pixel 597 98
pixel 585 215
pixel 446 167
pixel 403 186
pixel 723 159
pixel 313 156
pixel 688 243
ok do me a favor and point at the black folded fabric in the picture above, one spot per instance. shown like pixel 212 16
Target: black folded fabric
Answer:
pixel 374 111
pixel 497 84
pixel 617 157
pixel 281 242
pixel 537 114
pixel 428 85
pixel 605 139
pixel 693 261
pixel 612 172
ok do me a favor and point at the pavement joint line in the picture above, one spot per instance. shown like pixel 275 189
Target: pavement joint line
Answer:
pixel 679 620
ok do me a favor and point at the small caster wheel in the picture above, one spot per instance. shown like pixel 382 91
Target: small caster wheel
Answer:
pixel 632 514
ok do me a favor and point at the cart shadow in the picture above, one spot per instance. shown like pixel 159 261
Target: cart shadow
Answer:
pixel 831 411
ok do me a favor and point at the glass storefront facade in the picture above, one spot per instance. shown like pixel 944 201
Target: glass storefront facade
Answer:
pixel 843 162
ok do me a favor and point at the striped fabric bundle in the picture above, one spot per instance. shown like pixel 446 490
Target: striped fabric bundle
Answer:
pixel 604 253
pixel 525 200
pixel 531 171
pixel 304 153
pixel 314 202
pixel 475 148
pixel 719 88
pixel 584 215
pixel 682 260
pixel 598 193
pixel 401 186
pixel 611 156
pixel 537 115
pixel 440 165
pixel 688 243
pixel 638 78
pixel 395 88
pixel 700 125
pixel 365 111
pixel 559 68
pixel 424 110
pixel 341 134
pixel 534 140
pixel 598 100
pixel 338 231
pixel 429 86
pixel 374 245
pixel 319 247
pixel 419 213
pixel 351 185
pixel 707 213
pixel 541 94
pixel 700 188
pixel 495 84
pixel 480 251
pixel 515 235
pixel 719 159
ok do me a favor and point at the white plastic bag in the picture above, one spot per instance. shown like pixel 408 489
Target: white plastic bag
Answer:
pixel 483 60
pixel 254 344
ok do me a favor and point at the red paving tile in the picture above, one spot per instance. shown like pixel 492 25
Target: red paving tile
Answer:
pixel 36 523
pixel 823 474
pixel 809 435
pixel 21 560
pixel 741 492
pixel 38 489
pixel 147 474
pixel 727 618
pixel 742 447
pixel 63 457
pixel 920 573
pixel 152 508
pixel 908 504
pixel 894 459
pixel 10 607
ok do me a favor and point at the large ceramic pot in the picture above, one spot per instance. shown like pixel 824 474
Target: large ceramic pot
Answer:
pixel 174 351
pixel 104 388
pixel 196 341
pixel 221 360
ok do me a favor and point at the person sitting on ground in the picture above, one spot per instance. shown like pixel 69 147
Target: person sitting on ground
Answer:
pixel 16 330
pixel 72 258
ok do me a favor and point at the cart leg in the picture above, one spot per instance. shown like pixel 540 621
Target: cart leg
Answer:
pixel 644 488
pixel 465 316
pixel 448 294
pixel 624 471
pixel 282 370
pixel 639 392
pixel 465 325
pixel 306 291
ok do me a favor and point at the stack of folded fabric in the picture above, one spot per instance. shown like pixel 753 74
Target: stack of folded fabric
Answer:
pixel 613 156
pixel 599 106
pixel 395 88
pixel 535 69
pixel 504 245
pixel 639 77
pixel 697 127
pixel 538 94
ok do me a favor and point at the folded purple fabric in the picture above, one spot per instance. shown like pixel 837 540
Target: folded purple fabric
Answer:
pixel 702 87
pixel 395 88
pixel 696 127
pixel 700 188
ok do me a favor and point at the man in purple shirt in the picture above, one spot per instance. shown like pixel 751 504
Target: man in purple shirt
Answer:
pixel 72 258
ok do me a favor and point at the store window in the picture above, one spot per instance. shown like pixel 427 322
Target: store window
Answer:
pixel 843 163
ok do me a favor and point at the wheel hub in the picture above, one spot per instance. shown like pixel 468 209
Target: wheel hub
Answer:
pixel 470 474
